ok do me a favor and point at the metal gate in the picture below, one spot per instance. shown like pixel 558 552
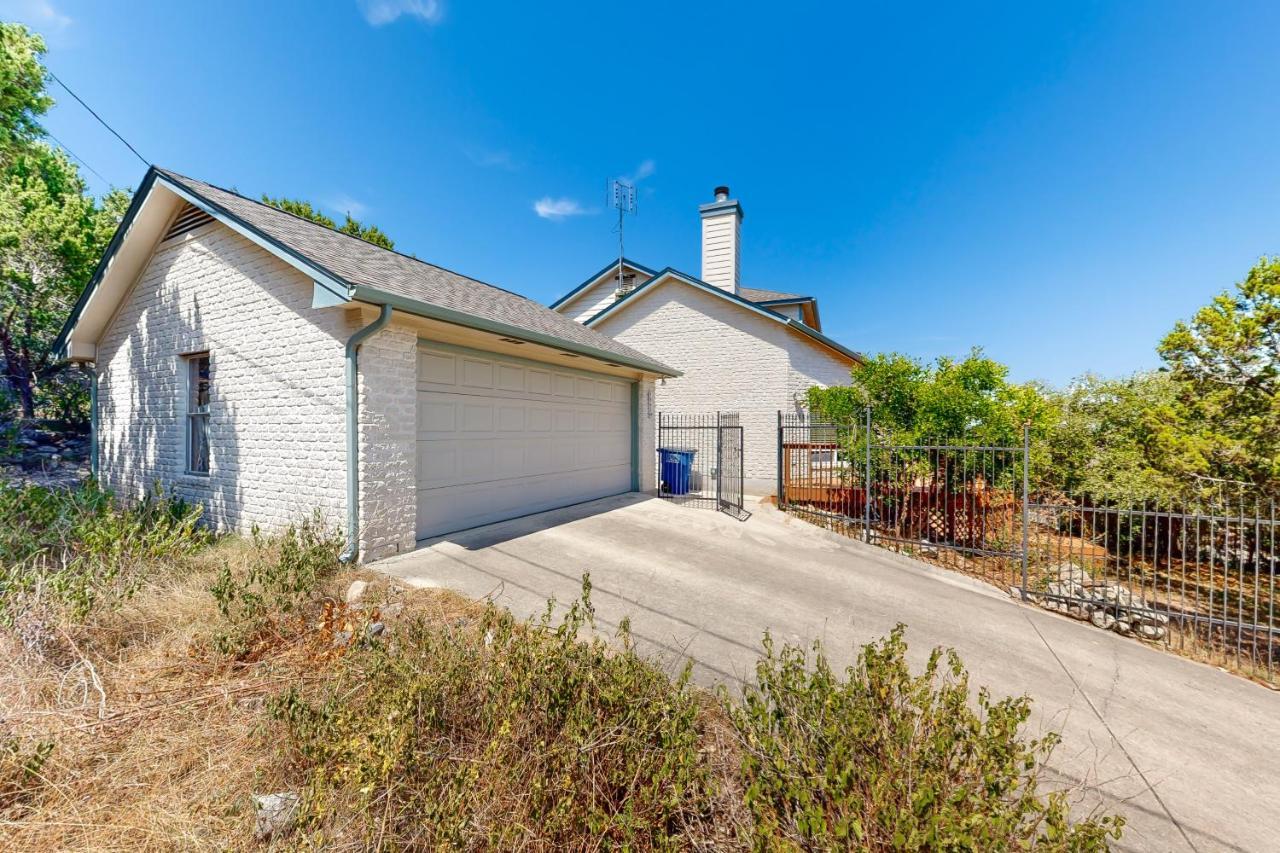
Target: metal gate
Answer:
pixel 700 460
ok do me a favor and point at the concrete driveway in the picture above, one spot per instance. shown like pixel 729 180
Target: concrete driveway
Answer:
pixel 1190 754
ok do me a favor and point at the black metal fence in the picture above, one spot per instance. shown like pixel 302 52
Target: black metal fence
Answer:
pixel 1200 579
pixel 700 460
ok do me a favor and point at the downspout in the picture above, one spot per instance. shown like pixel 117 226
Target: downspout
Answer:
pixel 92 370
pixel 353 432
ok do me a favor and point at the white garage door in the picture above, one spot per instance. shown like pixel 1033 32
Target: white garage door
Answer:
pixel 500 438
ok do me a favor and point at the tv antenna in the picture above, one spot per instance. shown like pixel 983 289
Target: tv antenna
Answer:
pixel 621 195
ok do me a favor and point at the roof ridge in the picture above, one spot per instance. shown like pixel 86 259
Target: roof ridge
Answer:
pixel 172 174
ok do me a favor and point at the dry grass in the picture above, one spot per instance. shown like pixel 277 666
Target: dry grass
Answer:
pixel 159 742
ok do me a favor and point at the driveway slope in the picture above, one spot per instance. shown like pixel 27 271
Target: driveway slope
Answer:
pixel 1190 754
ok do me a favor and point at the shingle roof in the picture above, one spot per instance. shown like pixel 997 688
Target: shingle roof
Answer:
pixel 754 294
pixel 359 263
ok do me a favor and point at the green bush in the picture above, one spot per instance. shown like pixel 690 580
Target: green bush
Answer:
pixel 884 760
pixel 282 575
pixel 78 548
pixel 499 734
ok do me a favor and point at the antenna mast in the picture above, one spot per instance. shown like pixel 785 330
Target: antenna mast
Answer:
pixel 621 195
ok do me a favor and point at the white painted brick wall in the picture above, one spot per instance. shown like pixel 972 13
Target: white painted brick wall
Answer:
pixel 276 423
pixel 600 295
pixel 647 425
pixel 388 442
pixel 732 360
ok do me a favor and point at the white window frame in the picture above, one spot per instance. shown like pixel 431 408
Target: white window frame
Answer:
pixel 192 411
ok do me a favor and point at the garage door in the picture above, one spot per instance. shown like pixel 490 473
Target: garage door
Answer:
pixel 500 438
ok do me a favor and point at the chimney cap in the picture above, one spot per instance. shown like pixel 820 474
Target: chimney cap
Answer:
pixel 722 193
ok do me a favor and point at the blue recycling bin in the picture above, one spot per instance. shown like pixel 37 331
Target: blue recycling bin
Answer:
pixel 676 464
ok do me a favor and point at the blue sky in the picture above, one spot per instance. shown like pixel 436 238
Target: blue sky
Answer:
pixel 1055 183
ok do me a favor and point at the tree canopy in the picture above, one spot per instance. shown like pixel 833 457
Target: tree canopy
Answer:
pixel 1204 426
pixel 368 233
pixel 52 233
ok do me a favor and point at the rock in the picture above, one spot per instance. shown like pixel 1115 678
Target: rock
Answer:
pixel 1151 632
pixel 356 591
pixel 375 629
pixel 275 814
pixel 1123 626
pixel 1103 619
pixel 392 610
pixel 1070 573
pixel 341 639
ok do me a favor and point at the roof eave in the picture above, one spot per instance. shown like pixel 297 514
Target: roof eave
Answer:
pixel 826 341
pixel 745 303
pixel 68 328
pixel 372 295
pixel 586 284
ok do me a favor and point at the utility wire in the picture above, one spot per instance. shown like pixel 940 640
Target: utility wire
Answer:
pixel 144 160
pixel 83 162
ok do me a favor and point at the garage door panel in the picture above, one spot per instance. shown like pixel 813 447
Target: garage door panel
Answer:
pixel 499 438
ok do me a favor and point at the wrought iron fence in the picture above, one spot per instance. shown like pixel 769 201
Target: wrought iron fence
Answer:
pixel 1201 580
pixel 700 459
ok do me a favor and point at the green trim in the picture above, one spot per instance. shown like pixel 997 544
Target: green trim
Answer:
pixel 353 431
pixel 612 265
pixel 732 297
pixel 635 436
pixel 530 362
pixel 317 272
pixel 364 293
pixel 139 199
pixel 93 420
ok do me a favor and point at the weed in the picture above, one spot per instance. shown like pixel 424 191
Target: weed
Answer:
pixel 79 548
pixel 884 760
pixel 282 576
pixel 499 734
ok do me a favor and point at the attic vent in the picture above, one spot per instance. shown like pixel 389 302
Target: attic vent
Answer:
pixel 624 285
pixel 188 219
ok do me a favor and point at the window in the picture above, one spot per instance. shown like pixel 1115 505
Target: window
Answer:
pixel 198 387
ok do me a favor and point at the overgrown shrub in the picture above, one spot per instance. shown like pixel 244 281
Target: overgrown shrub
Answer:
pixel 282 576
pixel 80 548
pixel 20 771
pixel 498 734
pixel 884 760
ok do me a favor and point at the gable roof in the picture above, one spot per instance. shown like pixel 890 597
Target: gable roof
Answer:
pixel 352 269
pixel 734 298
pixel 593 279
pixel 755 294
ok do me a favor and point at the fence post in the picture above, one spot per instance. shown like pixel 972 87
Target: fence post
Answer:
pixel 1026 508
pixel 779 491
pixel 719 465
pixel 866 483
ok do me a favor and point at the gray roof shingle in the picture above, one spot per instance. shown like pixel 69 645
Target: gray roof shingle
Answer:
pixel 755 294
pixel 359 263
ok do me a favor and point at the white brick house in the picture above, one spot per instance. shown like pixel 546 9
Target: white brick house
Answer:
pixel 740 349
pixel 266 366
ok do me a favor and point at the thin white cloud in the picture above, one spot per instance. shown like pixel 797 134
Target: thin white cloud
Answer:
pixel 344 204
pixel 492 159
pixel 381 12
pixel 558 208
pixel 40 15
pixel 644 170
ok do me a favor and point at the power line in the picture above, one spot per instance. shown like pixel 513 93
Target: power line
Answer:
pixel 83 162
pixel 144 160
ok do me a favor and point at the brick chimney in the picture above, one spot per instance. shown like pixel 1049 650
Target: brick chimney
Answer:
pixel 721 241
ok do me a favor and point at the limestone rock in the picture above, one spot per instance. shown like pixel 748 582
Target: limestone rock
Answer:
pixel 356 591
pixel 275 814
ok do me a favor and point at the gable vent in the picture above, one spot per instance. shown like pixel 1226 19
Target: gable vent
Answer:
pixel 188 219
